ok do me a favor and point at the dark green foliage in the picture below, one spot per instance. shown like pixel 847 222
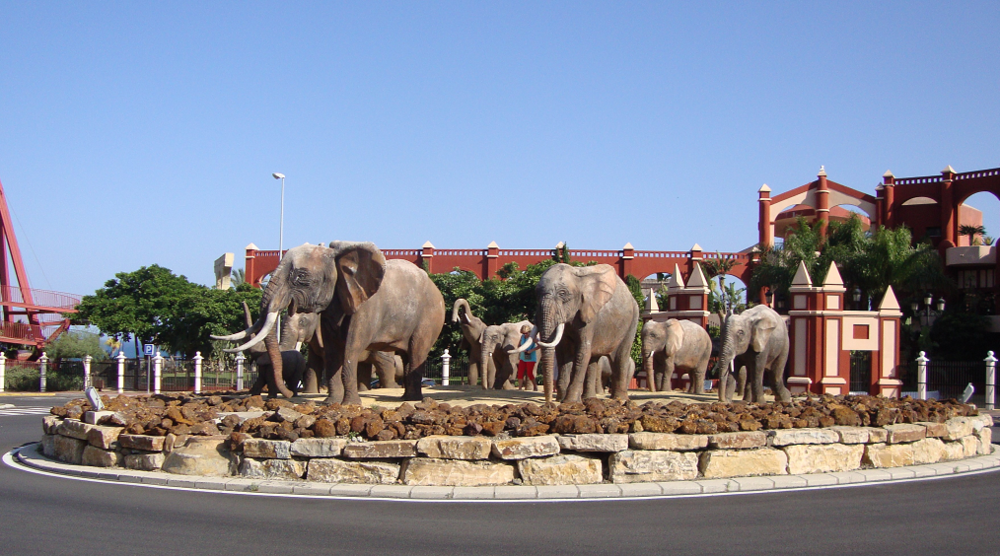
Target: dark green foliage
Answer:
pixel 27 379
pixel 75 344
pixel 635 286
pixel 960 336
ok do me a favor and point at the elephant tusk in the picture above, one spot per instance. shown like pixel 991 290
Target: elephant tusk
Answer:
pixel 555 342
pixel 298 346
pixel 319 335
pixel 231 337
pixel 268 324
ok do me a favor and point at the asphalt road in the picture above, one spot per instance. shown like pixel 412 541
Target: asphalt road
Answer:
pixel 47 515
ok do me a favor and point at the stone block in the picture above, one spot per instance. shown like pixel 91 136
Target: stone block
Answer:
pixel 456 472
pixel 607 443
pixel 562 469
pixel 145 462
pixel 329 470
pixel 903 433
pixel 100 458
pixel 74 429
pixel 929 450
pixel 953 451
pixel 142 442
pixel 203 456
pixel 389 449
pixel 985 436
pixel 69 449
pixel 986 419
pixel 959 427
pixel 717 464
pixel 827 458
pixel 737 440
pixel 667 441
pixel 104 438
pixel 288 414
pixel 318 447
pixel 877 435
pixel 789 437
pixel 94 417
pixel 934 430
pixel 50 424
pixel 888 455
pixel 970 446
pixel 455 447
pixel 528 447
pixel 49 445
pixel 284 469
pixel 267 449
pixel 853 435
pixel 639 466
pixel 242 415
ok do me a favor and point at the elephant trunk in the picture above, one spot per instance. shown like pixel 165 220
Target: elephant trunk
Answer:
pixel 461 303
pixel 274 300
pixel 722 366
pixel 647 366
pixel 548 362
pixel 485 355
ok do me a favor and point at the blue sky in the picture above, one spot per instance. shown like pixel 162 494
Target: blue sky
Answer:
pixel 137 133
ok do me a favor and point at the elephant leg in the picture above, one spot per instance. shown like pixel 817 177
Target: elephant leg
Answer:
pixel 261 380
pixel 781 392
pixel 364 376
pixel 333 371
pixel 593 376
pixel 755 374
pixel 621 372
pixel 741 384
pixel 579 375
pixel 314 368
pixel 474 371
pixel 564 360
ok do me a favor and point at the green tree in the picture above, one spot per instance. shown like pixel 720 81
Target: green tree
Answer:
pixel 75 344
pixel 972 231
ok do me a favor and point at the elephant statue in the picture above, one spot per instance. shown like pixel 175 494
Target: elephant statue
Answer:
pixel 675 344
pixel 498 345
pixel 295 330
pixel 387 366
pixel 758 339
pixel 472 331
pixel 364 302
pixel 584 312
pixel 599 375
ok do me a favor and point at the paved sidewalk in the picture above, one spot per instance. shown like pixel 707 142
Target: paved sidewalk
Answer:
pixel 29 456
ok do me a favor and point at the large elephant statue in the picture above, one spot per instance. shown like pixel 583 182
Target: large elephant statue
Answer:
pixel 498 345
pixel 675 345
pixel 472 331
pixel 758 339
pixel 584 312
pixel 365 303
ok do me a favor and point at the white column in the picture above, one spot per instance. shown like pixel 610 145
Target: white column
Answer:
pixel 922 362
pixel 197 372
pixel 121 371
pixel 240 358
pixel 86 371
pixel 42 367
pixel 445 367
pixel 3 370
pixel 157 368
pixel 991 374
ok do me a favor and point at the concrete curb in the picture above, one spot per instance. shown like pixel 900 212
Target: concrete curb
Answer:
pixel 30 456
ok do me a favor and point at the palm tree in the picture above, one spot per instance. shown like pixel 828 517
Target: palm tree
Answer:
pixel 972 232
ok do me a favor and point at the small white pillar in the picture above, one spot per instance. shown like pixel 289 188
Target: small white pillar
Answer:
pixel 86 370
pixel 3 370
pixel 240 358
pixel 445 367
pixel 43 365
pixel 121 371
pixel 922 362
pixel 157 368
pixel 991 375
pixel 197 372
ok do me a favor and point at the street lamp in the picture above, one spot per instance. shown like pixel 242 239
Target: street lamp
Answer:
pixel 281 237
pixel 925 319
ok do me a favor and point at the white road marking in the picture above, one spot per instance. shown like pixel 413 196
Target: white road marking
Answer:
pixel 25 411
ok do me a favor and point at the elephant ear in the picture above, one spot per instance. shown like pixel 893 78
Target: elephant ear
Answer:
pixel 675 336
pixel 762 330
pixel 598 285
pixel 360 269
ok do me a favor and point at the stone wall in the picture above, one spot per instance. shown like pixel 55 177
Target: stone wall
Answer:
pixel 539 460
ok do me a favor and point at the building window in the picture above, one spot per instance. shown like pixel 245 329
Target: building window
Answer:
pixel 933 231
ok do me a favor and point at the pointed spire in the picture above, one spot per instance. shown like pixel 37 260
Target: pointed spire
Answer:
pixel 428 244
pixel 833 276
pixel 697 279
pixel 822 172
pixel 948 170
pixel 252 246
pixel 493 245
pixel 888 174
pixel 676 279
pixel 889 301
pixel 802 276
pixel 696 247
pixel 764 188
pixel 560 245
pixel 628 245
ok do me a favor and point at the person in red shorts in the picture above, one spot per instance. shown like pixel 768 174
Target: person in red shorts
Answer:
pixel 526 360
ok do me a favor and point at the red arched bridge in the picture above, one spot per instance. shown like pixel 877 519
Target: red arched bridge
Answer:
pixel 41 309
pixel 486 262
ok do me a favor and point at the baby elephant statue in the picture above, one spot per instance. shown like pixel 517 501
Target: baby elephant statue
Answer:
pixel 758 339
pixel 679 345
pixel 294 330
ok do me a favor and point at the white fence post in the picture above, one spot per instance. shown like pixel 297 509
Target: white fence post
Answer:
pixel 157 368
pixel 197 372
pixel 121 371
pixel 3 371
pixel 42 367
pixel 922 362
pixel 991 372
pixel 445 368
pixel 86 371
pixel 240 358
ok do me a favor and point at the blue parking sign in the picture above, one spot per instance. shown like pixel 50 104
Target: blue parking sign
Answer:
pixel 147 349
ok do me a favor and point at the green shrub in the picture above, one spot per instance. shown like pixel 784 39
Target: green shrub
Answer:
pixel 26 379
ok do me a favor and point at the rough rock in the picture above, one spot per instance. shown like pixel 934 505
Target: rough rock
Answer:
pixel 318 447
pixel 330 470
pixel 985 436
pixel 69 449
pixel 104 438
pixel 389 449
pixel 888 455
pixel 877 435
pixel 267 449
pixel 288 414
pixel 903 432
pixel 94 417
pixel 100 458
pixel 934 430
pixel 76 429
pixel 145 462
pixel 530 447
pixel 959 427
pixel 986 419
pixel 204 456
pixel 852 435
pixel 667 441
pixel 562 469
pixel 50 424
pixel 825 458
pixel 455 447
pixel 285 469
pixel 954 450
pixel 929 450
pixel 456 472
pixel 716 464
pixel 737 440
pixel 634 466
pixel 49 445
pixel 970 446
pixel 141 442
pixel 594 442
pixel 789 437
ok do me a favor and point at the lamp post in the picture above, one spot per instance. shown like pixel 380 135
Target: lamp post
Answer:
pixel 856 295
pixel 928 312
pixel 281 237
